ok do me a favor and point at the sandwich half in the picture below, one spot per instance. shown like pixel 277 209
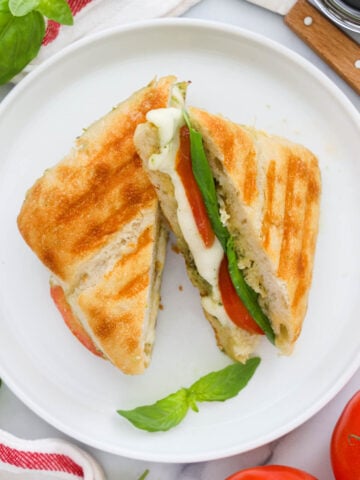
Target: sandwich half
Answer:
pixel 94 221
pixel 244 207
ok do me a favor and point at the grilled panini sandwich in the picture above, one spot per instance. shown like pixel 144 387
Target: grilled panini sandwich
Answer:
pixel 244 206
pixel 94 221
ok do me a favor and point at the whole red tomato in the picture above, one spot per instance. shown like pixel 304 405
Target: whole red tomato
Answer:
pixel 271 472
pixel 345 442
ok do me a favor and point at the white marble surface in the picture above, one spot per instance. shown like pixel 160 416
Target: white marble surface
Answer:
pixel 307 447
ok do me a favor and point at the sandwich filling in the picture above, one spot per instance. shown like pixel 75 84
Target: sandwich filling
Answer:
pixel 183 159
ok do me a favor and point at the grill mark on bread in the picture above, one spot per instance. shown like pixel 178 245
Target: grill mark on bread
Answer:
pixel 288 256
pixel 55 220
pixel 107 328
pixel 96 234
pixel 296 220
pixel 49 259
pixel 141 280
pixel 250 174
pixel 309 236
pixel 134 286
pixel 142 242
pixel 104 180
pixel 268 219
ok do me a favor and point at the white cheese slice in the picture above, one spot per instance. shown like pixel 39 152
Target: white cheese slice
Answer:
pixel 207 259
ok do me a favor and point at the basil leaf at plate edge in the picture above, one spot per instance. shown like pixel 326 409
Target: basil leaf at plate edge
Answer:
pixel 20 41
pixel 160 416
pixel 226 383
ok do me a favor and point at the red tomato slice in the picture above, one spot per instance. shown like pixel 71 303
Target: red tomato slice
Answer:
pixel 193 193
pixel 272 472
pixel 233 305
pixel 345 442
pixel 58 295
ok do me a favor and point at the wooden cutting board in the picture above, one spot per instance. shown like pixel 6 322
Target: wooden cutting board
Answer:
pixel 336 48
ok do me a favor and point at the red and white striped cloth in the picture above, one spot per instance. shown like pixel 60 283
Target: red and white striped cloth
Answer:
pixel 95 15
pixel 52 458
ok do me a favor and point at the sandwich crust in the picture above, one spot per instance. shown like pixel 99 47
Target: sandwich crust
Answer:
pixel 86 217
pixel 75 209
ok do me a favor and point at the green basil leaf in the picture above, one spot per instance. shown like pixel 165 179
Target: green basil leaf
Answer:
pixel 247 294
pixel 4 6
pixel 19 8
pixel 20 41
pixel 57 10
pixel 216 386
pixel 162 415
pixel 226 383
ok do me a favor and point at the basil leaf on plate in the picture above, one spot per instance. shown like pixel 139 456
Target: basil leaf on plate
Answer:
pixel 57 10
pixel 20 41
pixel 19 8
pixel 162 415
pixel 226 383
pixel 216 386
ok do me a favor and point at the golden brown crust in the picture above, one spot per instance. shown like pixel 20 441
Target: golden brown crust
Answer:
pixel 81 213
pixel 278 183
pixel 75 208
pixel 115 306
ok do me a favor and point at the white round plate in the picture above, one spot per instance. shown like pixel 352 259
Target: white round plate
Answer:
pixel 253 81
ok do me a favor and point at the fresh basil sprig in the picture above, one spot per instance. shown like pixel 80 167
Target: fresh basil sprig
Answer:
pixel 214 387
pixel 205 181
pixel 22 29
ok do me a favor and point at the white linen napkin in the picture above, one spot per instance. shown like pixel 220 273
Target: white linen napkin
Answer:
pixel 95 15
pixel 47 459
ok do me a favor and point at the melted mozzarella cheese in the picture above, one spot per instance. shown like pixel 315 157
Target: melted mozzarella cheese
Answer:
pixel 207 260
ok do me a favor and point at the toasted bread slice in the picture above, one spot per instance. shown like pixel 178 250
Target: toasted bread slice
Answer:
pixel 94 221
pixel 269 195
